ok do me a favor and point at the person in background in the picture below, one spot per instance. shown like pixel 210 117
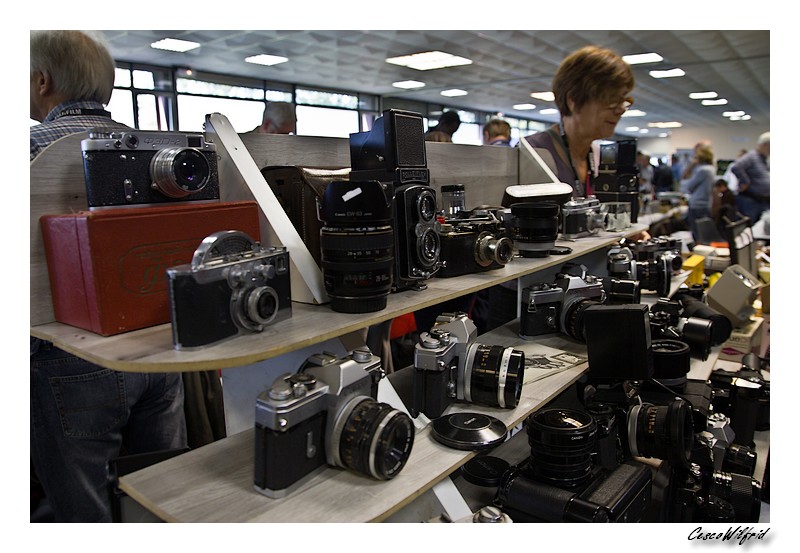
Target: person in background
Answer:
pixel 448 125
pixel 592 89
pixel 662 177
pixel 83 415
pixel 723 202
pixel 699 180
pixel 677 168
pixel 279 118
pixel 646 175
pixel 497 132
pixel 752 172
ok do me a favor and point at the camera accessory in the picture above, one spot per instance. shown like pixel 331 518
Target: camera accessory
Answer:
pixel 622 290
pixel 582 217
pixel 148 167
pixel 733 294
pixel 562 444
pixel 484 470
pixel 473 241
pixel 453 201
pixel 450 366
pixel 661 431
pixel 742 492
pixel 232 286
pixel 618 342
pixel 356 245
pixel 534 227
pixel 326 413
pixel 553 192
pixel 671 361
pixel 468 431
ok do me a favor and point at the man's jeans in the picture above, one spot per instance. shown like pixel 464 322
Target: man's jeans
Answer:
pixel 83 415
pixel 751 207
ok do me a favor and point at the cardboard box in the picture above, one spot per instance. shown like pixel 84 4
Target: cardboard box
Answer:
pixel 743 340
pixel 107 268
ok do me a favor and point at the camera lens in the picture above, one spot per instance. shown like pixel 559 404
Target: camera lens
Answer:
pixel 622 291
pixel 426 206
pixel 655 275
pixel 573 320
pixel 493 375
pixel 743 493
pixel 489 249
pixel 179 172
pixel 262 305
pixel 661 432
pixel 371 438
pixel 534 227
pixel 562 442
pixel 428 246
pixel 671 360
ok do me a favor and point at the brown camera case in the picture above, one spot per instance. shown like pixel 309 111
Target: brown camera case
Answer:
pixel 107 268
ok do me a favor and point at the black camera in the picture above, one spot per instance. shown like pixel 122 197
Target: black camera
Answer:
pixel 582 217
pixel 356 245
pixel 652 262
pixel 667 321
pixel 473 241
pixel 617 171
pixel 327 415
pixel 533 227
pixel 744 397
pixel 393 153
pixel 562 481
pixel 148 167
pixel 449 365
pixel 232 286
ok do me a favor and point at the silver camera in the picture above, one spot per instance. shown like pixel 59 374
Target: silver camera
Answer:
pixel 327 414
pixel 142 168
pixel 582 217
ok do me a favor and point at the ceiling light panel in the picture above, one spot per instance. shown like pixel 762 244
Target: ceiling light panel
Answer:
pixel 453 92
pixel 425 61
pixel 523 107
pixel 668 73
pixel 175 45
pixel 649 57
pixel 407 85
pixel 545 96
pixel 717 102
pixel 703 95
pixel 266 59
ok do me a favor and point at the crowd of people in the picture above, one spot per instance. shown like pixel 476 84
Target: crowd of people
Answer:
pixel 83 415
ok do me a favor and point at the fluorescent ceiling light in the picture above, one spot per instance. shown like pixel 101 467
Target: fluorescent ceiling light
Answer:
pixel 702 95
pixel 408 84
pixel 266 59
pixel 667 73
pixel 717 102
pixel 644 131
pixel 745 117
pixel 545 96
pixel 548 111
pixel 649 57
pixel 453 92
pixel 631 129
pixel 425 61
pixel 665 125
pixel 634 113
pixel 732 113
pixel 175 45
pixel 523 106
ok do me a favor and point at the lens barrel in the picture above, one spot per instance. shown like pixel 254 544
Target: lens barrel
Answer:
pixel 534 227
pixel 493 375
pixel 661 432
pixel 562 442
pixel 180 172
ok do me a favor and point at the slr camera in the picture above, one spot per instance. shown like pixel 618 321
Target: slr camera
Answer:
pixel 582 217
pixel 449 366
pixel 140 168
pixel 744 397
pixel 652 262
pixel 473 241
pixel 393 153
pixel 563 479
pixel 327 415
pixel 232 286
pixel 667 321
pixel 618 171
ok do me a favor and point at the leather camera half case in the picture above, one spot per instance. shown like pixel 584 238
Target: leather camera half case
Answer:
pixel 107 268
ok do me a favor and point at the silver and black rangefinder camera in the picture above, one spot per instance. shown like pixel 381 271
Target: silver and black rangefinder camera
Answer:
pixel 582 217
pixel 148 167
pixel 327 415
pixel 232 286
pixel 449 366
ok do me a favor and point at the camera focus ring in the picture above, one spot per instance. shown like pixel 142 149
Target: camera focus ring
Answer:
pixel 180 172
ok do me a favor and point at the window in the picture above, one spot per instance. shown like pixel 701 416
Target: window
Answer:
pixel 316 121
pixel 192 110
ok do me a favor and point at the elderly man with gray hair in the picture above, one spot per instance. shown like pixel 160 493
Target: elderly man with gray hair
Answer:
pixel 752 172
pixel 279 118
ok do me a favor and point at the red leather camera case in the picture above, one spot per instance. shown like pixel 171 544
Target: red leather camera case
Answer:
pixel 108 268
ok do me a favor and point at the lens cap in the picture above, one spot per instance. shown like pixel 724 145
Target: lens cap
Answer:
pixel 485 470
pixel 560 250
pixel 468 431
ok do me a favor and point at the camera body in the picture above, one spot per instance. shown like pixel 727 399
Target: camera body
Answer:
pixel 232 286
pixel 617 171
pixel 652 262
pixel 559 307
pixel 449 366
pixel 582 217
pixel 326 415
pixel 133 167
pixel 473 241
pixel 393 153
pixel 667 321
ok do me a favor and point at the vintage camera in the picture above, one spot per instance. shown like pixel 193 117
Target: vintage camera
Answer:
pixel 667 321
pixel 356 245
pixel 232 286
pixel 449 366
pixel 393 153
pixel 692 305
pixel 582 217
pixel 651 262
pixel 148 167
pixel 533 226
pixel 617 171
pixel 327 414
pixel 562 480
pixel 473 241
pixel 744 397
pixel 559 307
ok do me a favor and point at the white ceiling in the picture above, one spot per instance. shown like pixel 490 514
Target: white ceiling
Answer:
pixel 507 65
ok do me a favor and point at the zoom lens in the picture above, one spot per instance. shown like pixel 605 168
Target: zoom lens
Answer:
pixel 534 227
pixel 371 438
pixel 661 432
pixel 562 442
pixel 742 492
pixel 180 172
pixel 493 376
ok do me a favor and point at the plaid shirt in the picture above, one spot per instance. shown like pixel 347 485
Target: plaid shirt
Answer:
pixel 68 118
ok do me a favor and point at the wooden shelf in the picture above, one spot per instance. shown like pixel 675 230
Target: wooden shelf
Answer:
pixel 150 349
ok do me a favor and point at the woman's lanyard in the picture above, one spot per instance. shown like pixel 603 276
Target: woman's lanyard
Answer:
pixel 583 189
